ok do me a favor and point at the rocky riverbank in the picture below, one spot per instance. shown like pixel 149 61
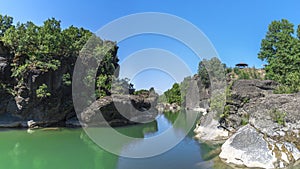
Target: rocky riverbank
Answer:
pixel 260 129
pixel 45 97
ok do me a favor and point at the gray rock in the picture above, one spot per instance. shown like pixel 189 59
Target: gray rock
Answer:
pixel 120 110
pixel 197 95
pixel 208 130
pixel 74 122
pixel 248 147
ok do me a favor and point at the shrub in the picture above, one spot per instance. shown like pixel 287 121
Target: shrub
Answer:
pixel 66 78
pixel 244 75
pixel 245 120
pixel 43 92
pixel 278 116
pixel 236 70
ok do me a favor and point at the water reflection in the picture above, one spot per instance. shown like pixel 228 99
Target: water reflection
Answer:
pixel 73 149
pixel 57 149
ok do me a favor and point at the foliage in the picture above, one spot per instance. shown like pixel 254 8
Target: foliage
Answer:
pixel 244 75
pixel 236 70
pixel 226 112
pixel 66 78
pixel 211 70
pixel 141 92
pixel 42 47
pixel 228 70
pixel 202 72
pixel 122 86
pixel 217 102
pixel 5 23
pixel 7 89
pixel 181 89
pixel 281 50
pixel 43 92
pixel 173 95
pixel 283 89
pixel 278 116
pixel 47 47
pixel 184 86
pixel 245 120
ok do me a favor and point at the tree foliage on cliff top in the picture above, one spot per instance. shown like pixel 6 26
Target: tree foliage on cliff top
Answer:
pixel 49 47
pixel 281 50
pixel 42 47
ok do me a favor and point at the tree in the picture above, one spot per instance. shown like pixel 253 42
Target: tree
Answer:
pixel 74 39
pixel 5 23
pixel 47 47
pixel 173 95
pixel 281 50
pixel 298 32
pixel 203 74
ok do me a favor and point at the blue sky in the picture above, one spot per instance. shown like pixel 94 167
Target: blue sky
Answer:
pixel 234 27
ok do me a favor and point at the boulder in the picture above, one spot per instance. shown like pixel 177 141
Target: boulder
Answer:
pixel 248 148
pixel 266 112
pixel 118 110
pixel 251 148
pixel 209 129
pixel 263 128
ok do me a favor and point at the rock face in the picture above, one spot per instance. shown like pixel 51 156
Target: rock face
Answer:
pixel 248 147
pixel 271 138
pixel 244 93
pixel 120 110
pixel 5 58
pixel 24 105
pixel 20 103
pixel 262 129
pixel 209 130
pixel 197 94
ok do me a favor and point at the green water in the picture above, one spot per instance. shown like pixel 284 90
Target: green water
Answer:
pixel 73 149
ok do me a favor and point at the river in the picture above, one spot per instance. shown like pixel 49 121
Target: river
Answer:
pixel 73 149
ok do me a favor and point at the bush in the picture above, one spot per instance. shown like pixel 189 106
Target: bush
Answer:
pixel 278 116
pixel 43 92
pixel 226 112
pixel 66 78
pixel 244 75
pixel 283 89
pixel 236 70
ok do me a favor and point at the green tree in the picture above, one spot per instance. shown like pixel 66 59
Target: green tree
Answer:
pixel 173 95
pixel 5 23
pixel 47 47
pixel 281 50
pixel 184 86
pixel 203 74
pixel 74 39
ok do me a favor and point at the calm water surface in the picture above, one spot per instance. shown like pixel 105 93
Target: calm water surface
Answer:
pixel 73 149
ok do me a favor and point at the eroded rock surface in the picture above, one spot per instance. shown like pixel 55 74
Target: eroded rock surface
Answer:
pixel 249 148
pixel 120 110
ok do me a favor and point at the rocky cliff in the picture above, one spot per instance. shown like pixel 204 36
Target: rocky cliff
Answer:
pixel 19 101
pixel 260 129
